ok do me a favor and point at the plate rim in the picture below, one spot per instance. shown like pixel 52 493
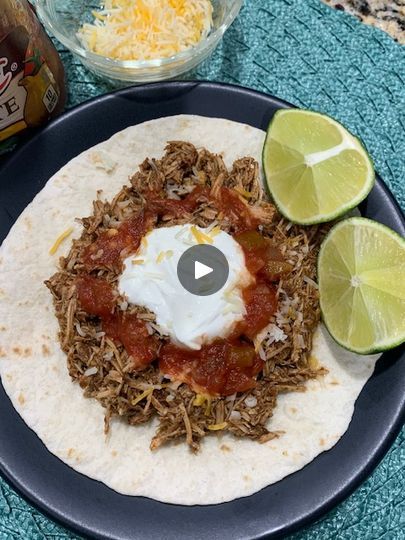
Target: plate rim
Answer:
pixel 370 465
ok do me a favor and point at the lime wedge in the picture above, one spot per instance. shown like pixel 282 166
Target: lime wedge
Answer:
pixel 361 274
pixel 315 169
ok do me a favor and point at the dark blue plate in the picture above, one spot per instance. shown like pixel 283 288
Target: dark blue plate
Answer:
pixel 88 506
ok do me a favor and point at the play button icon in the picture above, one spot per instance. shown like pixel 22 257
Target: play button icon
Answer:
pixel 203 270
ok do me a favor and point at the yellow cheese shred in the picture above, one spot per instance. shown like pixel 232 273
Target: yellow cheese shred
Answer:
pixel 217 427
pixel 59 240
pixel 200 237
pixel 142 396
pixel 164 254
pixel 160 257
pixel 215 231
pixel 200 400
pixel 146 29
pixel 243 192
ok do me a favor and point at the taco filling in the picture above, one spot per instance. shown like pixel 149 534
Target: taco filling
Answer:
pixel 139 362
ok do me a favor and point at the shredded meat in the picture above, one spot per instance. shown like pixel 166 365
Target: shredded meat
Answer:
pixel 105 371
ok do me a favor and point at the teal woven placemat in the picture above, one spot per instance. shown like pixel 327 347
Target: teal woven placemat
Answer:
pixel 314 57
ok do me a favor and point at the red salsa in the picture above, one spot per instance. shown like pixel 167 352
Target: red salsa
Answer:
pixel 107 249
pixel 134 336
pixel 260 302
pixel 220 368
pixel 96 297
pixel 177 208
pixel 223 367
pixel 237 211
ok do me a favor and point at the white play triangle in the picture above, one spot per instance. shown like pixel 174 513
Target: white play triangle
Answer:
pixel 201 270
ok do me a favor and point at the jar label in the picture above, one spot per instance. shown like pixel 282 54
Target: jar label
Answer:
pixel 28 90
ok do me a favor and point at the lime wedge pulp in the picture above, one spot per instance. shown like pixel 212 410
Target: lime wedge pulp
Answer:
pixel 361 274
pixel 315 169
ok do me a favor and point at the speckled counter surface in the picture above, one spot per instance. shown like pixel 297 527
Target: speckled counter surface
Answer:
pixel 389 15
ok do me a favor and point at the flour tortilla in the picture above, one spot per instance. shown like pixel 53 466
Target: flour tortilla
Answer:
pixel 33 368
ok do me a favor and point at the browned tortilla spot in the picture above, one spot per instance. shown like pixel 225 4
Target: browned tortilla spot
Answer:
pixel 246 478
pixel 21 399
pixel 45 350
pixel 225 448
pixel 293 410
pixel 285 453
pixel 3 328
pixel 22 352
pixel 114 453
pixel 322 442
pixel 3 353
pixel 334 383
pixel 71 452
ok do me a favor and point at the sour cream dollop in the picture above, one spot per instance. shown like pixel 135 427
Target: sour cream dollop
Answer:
pixel 150 279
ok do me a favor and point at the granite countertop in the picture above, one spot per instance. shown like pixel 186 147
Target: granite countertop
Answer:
pixel 389 15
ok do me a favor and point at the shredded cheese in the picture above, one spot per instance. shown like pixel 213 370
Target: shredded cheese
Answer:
pixel 164 254
pixel 154 275
pixel 243 192
pixel 217 427
pixel 160 257
pixel 59 240
pixel 207 411
pixel 200 237
pixel 199 400
pixel 215 231
pixel 313 362
pixel 146 29
pixel 142 396
pixel 180 233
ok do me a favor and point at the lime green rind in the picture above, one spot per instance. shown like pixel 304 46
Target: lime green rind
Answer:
pixel 381 345
pixel 343 209
pixel 378 348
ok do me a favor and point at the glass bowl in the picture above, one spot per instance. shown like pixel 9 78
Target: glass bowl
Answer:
pixel 63 18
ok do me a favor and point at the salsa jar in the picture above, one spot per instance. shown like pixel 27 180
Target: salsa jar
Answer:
pixel 32 80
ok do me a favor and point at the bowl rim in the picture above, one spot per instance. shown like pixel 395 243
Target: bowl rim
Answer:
pixel 105 62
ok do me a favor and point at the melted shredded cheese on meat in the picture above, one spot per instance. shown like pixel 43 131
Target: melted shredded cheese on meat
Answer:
pixel 146 29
